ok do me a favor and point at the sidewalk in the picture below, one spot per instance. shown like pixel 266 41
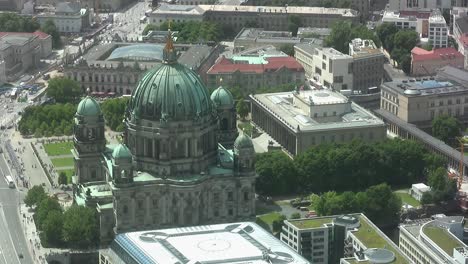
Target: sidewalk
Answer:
pixel 32 237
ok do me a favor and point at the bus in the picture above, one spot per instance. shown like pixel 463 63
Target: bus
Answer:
pixel 10 181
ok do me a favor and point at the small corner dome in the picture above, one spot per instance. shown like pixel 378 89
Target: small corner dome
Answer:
pixel 412 92
pixel 121 152
pixel 222 97
pixel 243 141
pixel 88 107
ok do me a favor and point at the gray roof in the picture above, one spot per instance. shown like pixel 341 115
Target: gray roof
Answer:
pixel 194 56
pixel 453 73
pixel 425 86
pixel 138 52
pixel 68 7
pixel 307 47
pixel 462 23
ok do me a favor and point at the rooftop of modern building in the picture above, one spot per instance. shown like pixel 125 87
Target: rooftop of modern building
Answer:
pixel 281 105
pixel 225 65
pixel 420 54
pixel 426 86
pixel 365 231
pixel 226 243
pixel 363 48
pixel 442 238
pixel 308 48
pixel 407 14
pixel 334 54
pixel 345 12
pixel 313 31
pixel 262 51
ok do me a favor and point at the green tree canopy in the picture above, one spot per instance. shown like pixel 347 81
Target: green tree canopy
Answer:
pixel 52 228
pixel 47 120
pixel 50 28
pixel 114 110
pixel 344 31
pixel 35 195
pixel 62 179
pixel 288 49
pixel 276 174
pixel 80 229
pixel 242 109
pixel 386 32
pixel 148 28
pixel 294 22
pixel 446 128
pixel 195 32
pixel 12 22
pixel 46 206
pixel 64 90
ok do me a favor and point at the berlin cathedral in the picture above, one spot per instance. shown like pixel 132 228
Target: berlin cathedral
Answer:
pixel 181 162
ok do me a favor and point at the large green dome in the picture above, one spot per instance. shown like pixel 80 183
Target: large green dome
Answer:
pixel 172 92
pixel 222 97
pixel 88 107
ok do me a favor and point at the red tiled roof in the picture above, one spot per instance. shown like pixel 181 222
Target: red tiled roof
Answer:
pixel 37 33
pixel 225 65
pixel 420 54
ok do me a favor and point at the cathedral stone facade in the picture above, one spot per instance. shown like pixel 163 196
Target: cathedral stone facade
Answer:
pixel 181 162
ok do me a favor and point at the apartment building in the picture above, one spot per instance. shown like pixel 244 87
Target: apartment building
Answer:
pixel 427 4
pixel 342 239
pixel 438 30
pixel 368 61
pixel 417 20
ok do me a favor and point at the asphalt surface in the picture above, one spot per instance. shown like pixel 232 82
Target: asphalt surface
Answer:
pixel 127 23
pixel 13 245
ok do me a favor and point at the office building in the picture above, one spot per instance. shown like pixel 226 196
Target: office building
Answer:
pixel 301 119
pixel 438 30
pixel 426 63
pixel 253 72
pixel 267 17
pixel 242 242
pixel 169 170
pixel 420 101
pixel 345 239
pixel 332 69
pixel 417 20
pixel 368 61
pixel 22 51
pixel 68 17
pixel 434 241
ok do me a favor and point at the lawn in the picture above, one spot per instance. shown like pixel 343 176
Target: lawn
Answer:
pixel 269 218
pixel 69 174
pixel 312 222
pixel 408 199
pixel 58 148
pixel 63 162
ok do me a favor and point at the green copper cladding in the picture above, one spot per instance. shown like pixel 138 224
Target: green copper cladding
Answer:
pixel 170 92
pixel 222 97
pixel 88 107
pixel 121 152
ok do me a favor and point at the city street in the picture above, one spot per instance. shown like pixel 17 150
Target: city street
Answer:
pixel 13 245
pixel 127 23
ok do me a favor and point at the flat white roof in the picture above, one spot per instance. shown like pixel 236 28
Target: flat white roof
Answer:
pixel 322 97
pixel 234 243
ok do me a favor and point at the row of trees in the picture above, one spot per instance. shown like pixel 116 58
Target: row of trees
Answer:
pixel 64 90
pixel 114 110
pixel 345 167
pixel 344 31
pixel 11 22
pixel 47 120
pixel 398 43
pixel 192 31
pixel 378 203
pixel 75 227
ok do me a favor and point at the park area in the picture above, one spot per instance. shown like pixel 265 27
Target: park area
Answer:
pixel 406 198
pixel 61 157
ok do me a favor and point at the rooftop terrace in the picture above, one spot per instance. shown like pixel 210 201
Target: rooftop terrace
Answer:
pixel 312 222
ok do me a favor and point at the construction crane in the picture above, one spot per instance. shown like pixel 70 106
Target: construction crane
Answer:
pixel 461 168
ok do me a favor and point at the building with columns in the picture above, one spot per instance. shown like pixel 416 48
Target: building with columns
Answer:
pixel 170 170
